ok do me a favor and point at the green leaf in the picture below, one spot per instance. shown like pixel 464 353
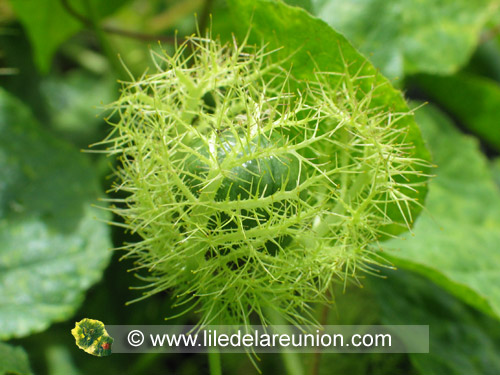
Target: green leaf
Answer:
pixel 455 240
pixel 74 102
pixel 315 46
pixel 410 36
pixel 475 102
pixel 13 360
pixel 49 23
pixel 462 341
pixel 305 4
pixel 486 59
pixel 51 247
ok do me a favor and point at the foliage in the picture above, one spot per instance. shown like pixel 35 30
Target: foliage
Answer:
pixel 409 37
pixel 475 102
pixel 14 360
pixel 462 195
pixel 53 249
pixel 51 23
pixel 359 179
pixel 419 301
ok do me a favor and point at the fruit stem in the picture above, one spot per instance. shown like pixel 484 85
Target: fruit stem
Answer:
pixel 214 362
pixel 291 360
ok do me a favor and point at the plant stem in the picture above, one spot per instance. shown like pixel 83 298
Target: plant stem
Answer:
pixel 103 41
pixel 323 321
pixel 292 363
pixel 291 360
pixel 117 31
pixel 214 362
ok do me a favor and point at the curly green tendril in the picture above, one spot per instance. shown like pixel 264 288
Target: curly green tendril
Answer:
pixel 250 189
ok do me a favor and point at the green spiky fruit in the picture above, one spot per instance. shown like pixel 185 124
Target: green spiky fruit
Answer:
pixel 261 176
pixel 251 189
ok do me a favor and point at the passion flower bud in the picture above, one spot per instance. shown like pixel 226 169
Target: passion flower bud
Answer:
pixel 247 193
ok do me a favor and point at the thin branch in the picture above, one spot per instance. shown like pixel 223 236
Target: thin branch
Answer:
pixel 103 40
pixel 75 14
pixel 117 31
pixel 139 36
pixel 323 321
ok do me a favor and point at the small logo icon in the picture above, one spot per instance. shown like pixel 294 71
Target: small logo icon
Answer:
pixel 135 338
pixel 91 336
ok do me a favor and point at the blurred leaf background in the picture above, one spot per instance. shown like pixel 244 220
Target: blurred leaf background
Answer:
pixel 59 64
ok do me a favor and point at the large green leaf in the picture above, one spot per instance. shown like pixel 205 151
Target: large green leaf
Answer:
pixel 51 247
pixel 309 45
pixel 13 360
pixel 462 341
pixel 74 103
pixel 49 23
pixel 305 4
pixel 455 241
pixel 475 102
pixel 410 36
